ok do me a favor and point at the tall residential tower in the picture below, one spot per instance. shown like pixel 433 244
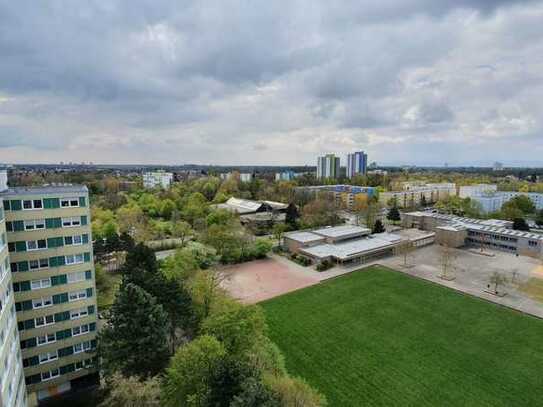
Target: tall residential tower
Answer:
pixel 328 166
pixel 357 164
pixel 12 380
pixel 51 261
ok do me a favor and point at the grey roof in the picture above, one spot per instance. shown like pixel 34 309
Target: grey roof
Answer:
pixel 45 189
pixel 353 248
pixel 303 237
pixel 341 231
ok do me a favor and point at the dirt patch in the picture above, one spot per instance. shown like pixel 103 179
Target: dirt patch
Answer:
pixel 533 288
pixel 260 280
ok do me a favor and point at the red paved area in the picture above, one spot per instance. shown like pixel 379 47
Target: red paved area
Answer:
pixel 260 280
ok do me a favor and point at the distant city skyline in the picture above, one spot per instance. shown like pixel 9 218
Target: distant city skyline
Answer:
pixel 261 83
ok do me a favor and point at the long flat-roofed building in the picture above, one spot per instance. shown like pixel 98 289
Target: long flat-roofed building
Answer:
pixel 414 194
pixel 51 261
pixel 349 245
pixel 12 379
pixel 457 231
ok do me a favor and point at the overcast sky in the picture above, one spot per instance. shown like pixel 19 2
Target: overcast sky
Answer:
pixel 270 82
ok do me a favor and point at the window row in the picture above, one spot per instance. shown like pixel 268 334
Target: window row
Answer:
pixel 57 372
pixel 49 243
pixel 40 322
pixel 46 339
pixel 48 223
pixel 58 261
pixel 46 357
pixel 48 301
pixel 61 279
pixel 45 203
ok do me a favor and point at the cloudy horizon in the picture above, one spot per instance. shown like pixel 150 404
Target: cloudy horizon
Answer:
pixel 419 82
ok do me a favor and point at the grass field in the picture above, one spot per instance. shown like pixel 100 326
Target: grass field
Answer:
pixel 381 338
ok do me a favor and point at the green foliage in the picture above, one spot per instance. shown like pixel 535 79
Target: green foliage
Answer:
pixel 520 224
pixel 220 217
pixel 188 380
pixel 459 206
pixel 394 214
pixel 378 227
pixel 239 329
pixel 254 393
pixel 539 218
pixel 320 212
pixel 292 216
pixel 523 203
pixel 294 392
pixel 132 392
pixel 324 265
pixel 134 342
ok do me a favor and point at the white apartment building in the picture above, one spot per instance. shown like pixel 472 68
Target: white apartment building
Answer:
pixel 414 193
pixel 492 200
pixel 12 378
pixel 468 191
pixel 157 179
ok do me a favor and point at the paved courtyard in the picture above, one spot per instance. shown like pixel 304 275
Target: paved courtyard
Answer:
pixel 260 280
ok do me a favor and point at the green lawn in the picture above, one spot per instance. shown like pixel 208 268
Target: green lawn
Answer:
pixel 381 338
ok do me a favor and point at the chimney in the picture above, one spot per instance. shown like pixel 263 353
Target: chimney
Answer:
pixel 3 179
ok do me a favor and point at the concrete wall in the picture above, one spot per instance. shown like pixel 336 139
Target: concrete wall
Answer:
pixel 451 238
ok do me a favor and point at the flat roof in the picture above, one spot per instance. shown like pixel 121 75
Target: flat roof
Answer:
pixel 303 237
pixel 341 231
pixel 353 248
pixel 45 189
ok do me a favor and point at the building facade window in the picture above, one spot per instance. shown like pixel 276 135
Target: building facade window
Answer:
pixel 69 202
pixel 31 204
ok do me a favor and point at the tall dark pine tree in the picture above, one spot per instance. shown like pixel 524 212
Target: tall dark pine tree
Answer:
pixel 378 227
pixel 135 340
pixel 394 214
pixel 141 268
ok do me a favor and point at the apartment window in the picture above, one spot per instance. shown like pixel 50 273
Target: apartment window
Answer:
pixel 76 277
pixel 40 244
pixel 79 313
pixel 71 222
pixel 42 283
pixel 50 375
pixel 74 259
pixel 29 204
pixel 42 302
pixel 82 347
pixel 38 264
pixel 34 224
pixel 45 339
pixel 69 202
pixel 44 321
pixel 532 243
pixel 48 357
pixel 73 240
pixel 77 295
pixel 80 330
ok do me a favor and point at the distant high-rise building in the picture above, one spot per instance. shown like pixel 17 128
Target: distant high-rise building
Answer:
pixel 357 164
pixel 328 166
pixel 157 179
pixel 497 166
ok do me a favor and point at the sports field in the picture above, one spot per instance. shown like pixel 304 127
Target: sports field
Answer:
pixel 381 338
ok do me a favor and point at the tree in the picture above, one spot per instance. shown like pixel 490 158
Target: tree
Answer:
pixel 520 224
pixel 320 212
pixel 188 380
pixel 497 279
pixel 378 227
pixel 279 230
pixel 370 214
pixel 539 218
pixel 261 247
pixel 394 214
pixel 291 216
pixel 294 392
pixel 405 249
pixel 131 392
pixel 182 231
pixel 207 290
pixel 448 263
pixel 134 342
pixel 522 202
pixel 254 393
